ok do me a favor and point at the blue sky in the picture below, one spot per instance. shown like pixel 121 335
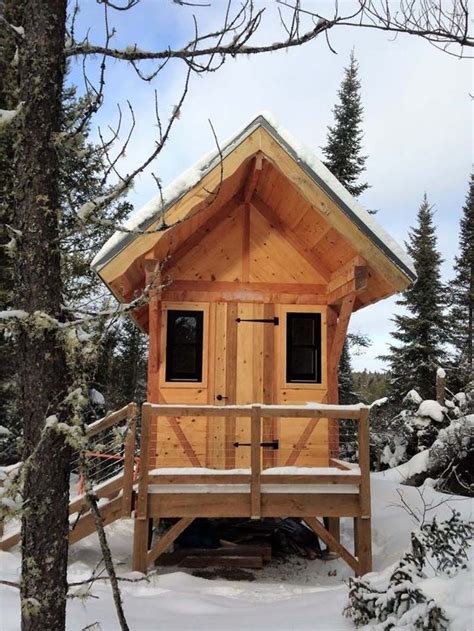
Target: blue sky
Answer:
pixel 417 122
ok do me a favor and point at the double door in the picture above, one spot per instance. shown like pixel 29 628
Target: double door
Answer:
pixel 244 373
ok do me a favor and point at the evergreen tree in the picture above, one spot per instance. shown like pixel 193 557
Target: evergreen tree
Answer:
pixel 344 160
pixel 462 294
pixel 422 331
pixel 8 100
pixel 343 150
pixel 80 178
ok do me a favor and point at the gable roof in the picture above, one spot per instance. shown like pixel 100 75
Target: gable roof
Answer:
pixel 306 160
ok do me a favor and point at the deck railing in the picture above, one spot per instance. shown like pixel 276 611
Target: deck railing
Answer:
pixel 114 483
pixel 113 465
pixel 256 413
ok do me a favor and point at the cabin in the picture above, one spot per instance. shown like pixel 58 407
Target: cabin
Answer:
pixel 252 263
pixel 245 272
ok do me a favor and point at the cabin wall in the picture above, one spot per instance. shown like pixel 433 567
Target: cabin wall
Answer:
pixel 244 363
pixel 244 264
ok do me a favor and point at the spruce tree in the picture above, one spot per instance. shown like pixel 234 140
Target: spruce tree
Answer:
pixel 343 150
pixel 422 331
pixel 80 178
pixel 462 295
pixel 343 157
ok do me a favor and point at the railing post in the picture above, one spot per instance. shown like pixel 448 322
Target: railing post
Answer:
pixel 129 461
pixel 255 460
pixel 140 535
pixel 363 523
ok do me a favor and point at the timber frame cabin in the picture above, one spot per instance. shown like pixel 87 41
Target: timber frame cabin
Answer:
pixel 253 262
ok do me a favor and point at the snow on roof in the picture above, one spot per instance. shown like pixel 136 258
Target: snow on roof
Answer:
pixel 315 169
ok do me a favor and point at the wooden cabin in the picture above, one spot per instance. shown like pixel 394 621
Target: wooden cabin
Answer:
pixel 251 264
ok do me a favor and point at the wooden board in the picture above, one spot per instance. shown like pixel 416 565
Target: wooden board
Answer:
pixel 238 505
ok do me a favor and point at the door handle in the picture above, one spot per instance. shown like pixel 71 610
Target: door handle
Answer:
pixel 219 397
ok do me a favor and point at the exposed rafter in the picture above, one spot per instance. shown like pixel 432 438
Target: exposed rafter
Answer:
pixel 271 216
pixel 253 177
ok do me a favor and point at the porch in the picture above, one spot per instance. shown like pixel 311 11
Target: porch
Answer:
pixel 128 486
pixel 337 490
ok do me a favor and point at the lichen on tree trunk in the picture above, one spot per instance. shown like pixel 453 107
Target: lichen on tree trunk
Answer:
pixel 43 366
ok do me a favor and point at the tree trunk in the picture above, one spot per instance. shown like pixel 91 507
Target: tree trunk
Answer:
pixel 43 372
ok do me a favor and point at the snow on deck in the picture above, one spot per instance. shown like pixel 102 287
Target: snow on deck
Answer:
pixel 270 471
pixel 245 488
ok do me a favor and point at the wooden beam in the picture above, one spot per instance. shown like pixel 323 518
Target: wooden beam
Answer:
pixel 246 243
pixel 288 234
pixel 301 442
pixel 207 227
pixel 332 542
pixel 346 272
pixel 260 297
pixel 238 504
pixel 230 560
pixel 153 280
pixel 183 441
pixel 292 411
pixel 253 177
pixel 340 332
pixel 141 506
pixel 269 425
pixel 128 465
pixel 85 526
pixel 230 382
pixel 245 478
pixel 255 462
pixel 167 539
pixel 228 286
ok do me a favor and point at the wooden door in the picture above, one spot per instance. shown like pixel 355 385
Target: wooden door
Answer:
pixel 244 374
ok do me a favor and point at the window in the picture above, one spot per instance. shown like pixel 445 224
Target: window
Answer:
pixel 184 346
pixel 303 348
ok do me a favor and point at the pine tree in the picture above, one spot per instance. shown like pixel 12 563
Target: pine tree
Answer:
pixel 462 294
pixel 422 331
pixel 344 160
pixel 344 141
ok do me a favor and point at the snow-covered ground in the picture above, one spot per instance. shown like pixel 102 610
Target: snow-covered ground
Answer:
pixel 297 596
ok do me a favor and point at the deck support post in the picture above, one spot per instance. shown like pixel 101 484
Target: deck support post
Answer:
pixel 363 523
pixel 255 461
pixel 140 545
pixel 129 462
pixel 334 527
pixel 140 533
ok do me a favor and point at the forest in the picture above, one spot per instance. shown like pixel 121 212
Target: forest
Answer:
pixel 102 104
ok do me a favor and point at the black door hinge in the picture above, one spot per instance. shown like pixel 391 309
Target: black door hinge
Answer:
pixel 274 444
pixel 275 321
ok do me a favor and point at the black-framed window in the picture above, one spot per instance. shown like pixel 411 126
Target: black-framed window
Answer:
pixel 303 348
pixel 184 334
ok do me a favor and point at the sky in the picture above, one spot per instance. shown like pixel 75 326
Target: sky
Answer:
pixel 418 125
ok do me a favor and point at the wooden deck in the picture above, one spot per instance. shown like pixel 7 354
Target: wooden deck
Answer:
pixel 338 490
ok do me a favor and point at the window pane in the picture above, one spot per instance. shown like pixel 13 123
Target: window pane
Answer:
pixel 302 331
pixel 303 348
pixel 185 329
pixel 184 345
pixel 184 360
pixel 302 362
